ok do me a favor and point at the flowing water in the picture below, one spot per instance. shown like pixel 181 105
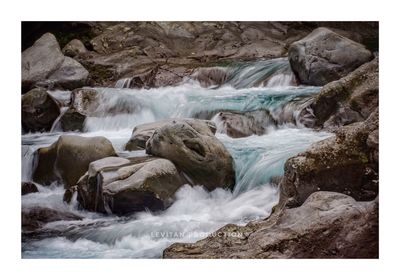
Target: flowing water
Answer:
pixel 195 212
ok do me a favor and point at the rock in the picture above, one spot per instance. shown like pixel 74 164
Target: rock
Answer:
pixel 70 75
pixel 35 218
pixel 69 193
pixel 194 149
pixel 74 48
pixel 343 163
pixel 40 61
pixel 120 186
pixel 210 76
pixel 325 56
pixel 143 132
pixel 28 187
pixel 327 225
pixel 352 98
pixel 238 124
pixel 83 104
pixel 39 110
pixel 68 158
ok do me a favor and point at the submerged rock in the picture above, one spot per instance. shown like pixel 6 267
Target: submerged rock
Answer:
pixel 194 149
pixel 34 218
pixel 39 110
pixel 143 132
pixel 345 163
pixel 40 60
pixel 28 187
pixel 348 100
pixel 238 124
pixel 68 158
pixel 120 186
pixel 327 225
pixel 324 56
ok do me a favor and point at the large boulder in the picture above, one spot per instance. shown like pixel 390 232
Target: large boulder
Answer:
pixel 40 60
pixel 324 56
pixel 352 98
pixel 346 163
pixel 84 102
pixel 327 225
pixel 71 74
pixel 68 158
pixel 143 132
pixel 39 110
pixel 122 186
pixel 237 124
pixel 194 149
pixel 44 65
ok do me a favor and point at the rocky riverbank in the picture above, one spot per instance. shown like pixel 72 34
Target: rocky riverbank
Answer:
pixel 325 84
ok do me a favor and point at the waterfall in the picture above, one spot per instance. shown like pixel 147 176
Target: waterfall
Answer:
pixel 123 83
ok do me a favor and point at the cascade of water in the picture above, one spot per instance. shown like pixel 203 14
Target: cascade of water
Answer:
pixel 264 85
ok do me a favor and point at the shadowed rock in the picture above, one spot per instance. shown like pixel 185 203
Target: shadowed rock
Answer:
pixel 28 187
pixel 39 110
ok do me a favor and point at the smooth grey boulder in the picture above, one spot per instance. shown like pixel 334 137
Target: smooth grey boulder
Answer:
pixel 327 225
pixel 39 110
pixel 41 60
pixel 143 132
pixel 195 150
pixel 324 56
pixel 121 186
pixel 68 158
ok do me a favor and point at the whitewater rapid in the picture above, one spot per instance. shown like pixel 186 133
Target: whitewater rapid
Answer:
pixel 195 212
